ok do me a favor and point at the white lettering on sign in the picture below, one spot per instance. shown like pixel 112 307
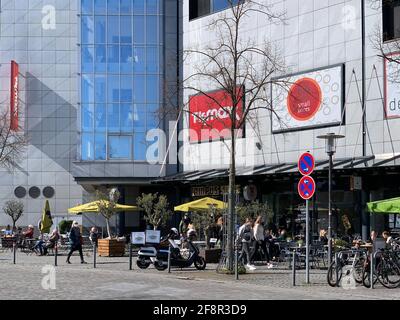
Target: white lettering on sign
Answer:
pixel 49 19
pixel 392 89
pixel 212 114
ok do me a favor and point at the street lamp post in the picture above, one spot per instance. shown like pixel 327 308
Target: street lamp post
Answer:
pixel 330 147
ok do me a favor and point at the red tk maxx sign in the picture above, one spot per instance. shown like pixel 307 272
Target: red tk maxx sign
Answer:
pixel 210 115
pixel 14 96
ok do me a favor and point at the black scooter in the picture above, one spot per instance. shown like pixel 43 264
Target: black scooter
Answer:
pixel 180 259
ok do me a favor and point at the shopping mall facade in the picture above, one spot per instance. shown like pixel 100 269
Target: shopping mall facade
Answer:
pixel 93 76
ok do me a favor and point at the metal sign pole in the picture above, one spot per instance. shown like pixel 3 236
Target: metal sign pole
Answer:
pixel 307 245
pixel 55 254
pixel 15 250
pixel 294 269
pixel 94 255
pixel 169 259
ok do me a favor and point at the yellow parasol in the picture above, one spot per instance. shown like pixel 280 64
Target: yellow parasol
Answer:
pixel 201 205
pixel 93 207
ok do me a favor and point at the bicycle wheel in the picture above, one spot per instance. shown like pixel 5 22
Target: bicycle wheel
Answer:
pixel 388 274
pixel 331 276
pixel 358 270
pixel 366 278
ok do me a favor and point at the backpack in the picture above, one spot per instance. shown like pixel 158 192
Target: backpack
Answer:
pixel 246 234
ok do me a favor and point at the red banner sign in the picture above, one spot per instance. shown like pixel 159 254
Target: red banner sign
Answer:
pixel 14 94
pixel 210 116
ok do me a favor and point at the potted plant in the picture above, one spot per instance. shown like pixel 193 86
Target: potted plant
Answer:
pixel 155 208
pixel 106 202
pixel 14 210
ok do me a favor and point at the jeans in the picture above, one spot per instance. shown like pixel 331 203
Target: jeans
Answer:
pixel 39 245
pixel 75 248
pixel 262 245
pixel 245 251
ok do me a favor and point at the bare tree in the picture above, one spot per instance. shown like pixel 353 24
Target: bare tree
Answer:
pixel 14 210
pixel 106 203
pixel 241 67
pixel 12 143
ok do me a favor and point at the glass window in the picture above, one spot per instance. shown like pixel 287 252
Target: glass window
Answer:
pixel 113 7
pixel 151 29
pixel 126 29
pixel 140 147
pixel 100 149
pixel 100 6
pixel 100 89
pixel 152 60
pixel 222 4
pixel 87 58
pixel 126 59
pixel 100 29
pixel 139 118
pixel 126 88
pixel 391 19
pixel 87 117
pixel 87 89
pixel 100 118
pixel 152 88
pixel 113 117
pixel 151 7
pixel 139 86
pixel 198 8
pixel 126 117
pixel 113 58
pixel 153 117
pixel 87 6
pixel 87 146
pixel 120 147
pixel 113 89
pixel 138 6
pixel 139 57
pixel 126 6
pixel 113 29
pixel 139 29
pixel 100 64
pixel 87 30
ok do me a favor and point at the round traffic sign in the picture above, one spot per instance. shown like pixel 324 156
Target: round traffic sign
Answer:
pixel 306 187
pixel 306 164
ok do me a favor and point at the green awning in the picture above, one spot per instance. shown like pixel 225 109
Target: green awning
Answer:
pixel 384 206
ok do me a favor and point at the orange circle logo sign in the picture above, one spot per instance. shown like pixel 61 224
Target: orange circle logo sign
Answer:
pixel 304 99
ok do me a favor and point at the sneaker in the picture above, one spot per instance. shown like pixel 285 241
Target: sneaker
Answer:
pixel 83 262
pixel 250 267
pixel 270 266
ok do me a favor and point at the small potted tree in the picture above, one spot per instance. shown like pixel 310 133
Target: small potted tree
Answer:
pixel 106 202
pixel 155 207
pixel 14 210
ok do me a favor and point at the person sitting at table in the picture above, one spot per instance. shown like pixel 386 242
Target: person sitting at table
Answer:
pixel 8 231
pixel 38 247
pixel 322 237
pixel 51 242
pixel 282 235
pixel 191 232
pixel 94 235
pixel 372 237
pixel 28 234
pixel 386 235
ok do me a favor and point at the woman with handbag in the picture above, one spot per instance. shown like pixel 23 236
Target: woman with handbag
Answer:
pixel 75 239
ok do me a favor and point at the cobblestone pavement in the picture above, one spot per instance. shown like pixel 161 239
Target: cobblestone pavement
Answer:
pixel 112 279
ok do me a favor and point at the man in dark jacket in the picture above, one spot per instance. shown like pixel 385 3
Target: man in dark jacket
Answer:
pixel 75 239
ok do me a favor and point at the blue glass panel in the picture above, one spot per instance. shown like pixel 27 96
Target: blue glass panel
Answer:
pixel 100 119
pixel 113 59
pixel 139 117
pixel 126 89
pixel 100 149
pixel 126 29
pixel 87 146
pixel 87 30
pixel 151 7
pixel 100 6
pixel 138 7
pixel 100 89
pixel 87 6
pixel 152 89
pixel 140 147
pixel 139 85
pixel 126 59
pixel 152 60
pixel 222 4
pixel 126 117
pixel 113 117
pixel 126 6
pixel 87 89
pixel 151 29
pixel 139 29
pixel 100 29
pixel 87 117
pixel 139 57
pixel 153 117
pixel 87 58
pixel 120 147
pixel 113 7
pixel 100 64
pixel 113 29
pixel 113 89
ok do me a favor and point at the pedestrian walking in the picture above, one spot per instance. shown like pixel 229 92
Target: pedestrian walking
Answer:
pixel 260 241
pixel 245 237
pixel 75 239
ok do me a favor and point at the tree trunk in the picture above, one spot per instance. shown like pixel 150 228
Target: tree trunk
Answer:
pixel 108 228
pixel 14 222
pixel 231 208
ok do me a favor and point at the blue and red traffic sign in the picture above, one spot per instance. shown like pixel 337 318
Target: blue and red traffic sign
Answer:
pixel 306 164
pixel 306 187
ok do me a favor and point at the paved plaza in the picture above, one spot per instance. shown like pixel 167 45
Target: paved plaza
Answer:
pixel 112 279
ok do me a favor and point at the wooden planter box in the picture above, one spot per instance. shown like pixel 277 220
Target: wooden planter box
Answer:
pixel 111 248
pixel 211 255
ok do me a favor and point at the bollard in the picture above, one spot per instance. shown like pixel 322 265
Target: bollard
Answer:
pixel 130 256
pixel 169 259
pixel 94 255
pixel 55 254
pixel 15 251
pixel 236 264
pixel 294 268
pixel 372 271
pixel 337 269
